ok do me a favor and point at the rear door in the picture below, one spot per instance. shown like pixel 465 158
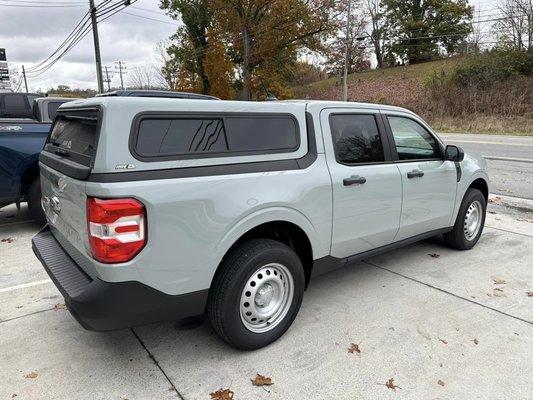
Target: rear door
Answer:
pixel 429 183
pixel 367 191
pixel 65 164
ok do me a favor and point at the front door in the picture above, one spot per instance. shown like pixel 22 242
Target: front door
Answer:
pixel 429 183
pixel 367 191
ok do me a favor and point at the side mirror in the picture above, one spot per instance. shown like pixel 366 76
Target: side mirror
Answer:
pixel 454 153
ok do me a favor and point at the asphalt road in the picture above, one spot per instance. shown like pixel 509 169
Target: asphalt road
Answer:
pixel 509 159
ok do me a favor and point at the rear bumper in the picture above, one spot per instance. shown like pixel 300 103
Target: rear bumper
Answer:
pixel 104 306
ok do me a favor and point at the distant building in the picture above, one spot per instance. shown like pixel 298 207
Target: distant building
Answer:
pixel 5 82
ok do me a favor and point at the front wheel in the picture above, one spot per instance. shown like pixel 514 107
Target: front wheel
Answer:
pixel 470 221
pixel 257 293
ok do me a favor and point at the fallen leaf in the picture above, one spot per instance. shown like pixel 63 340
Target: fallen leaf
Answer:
pixel 391 385
pixel 8 240
pixel 354 348
pixel 491 212
pixel 261 380
pixel 529 294
pixel 14 395
pixel 443 341
pixel 499 281
pixel 60 306
pixel 498 289
pixel 434 255
pixel 31 375
pixel 222 394
pixel 475 341
pixel 440 382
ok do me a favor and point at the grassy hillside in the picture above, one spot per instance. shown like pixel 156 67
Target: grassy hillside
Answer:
pixel 406 87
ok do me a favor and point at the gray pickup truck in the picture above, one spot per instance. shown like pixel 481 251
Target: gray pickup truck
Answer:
pixel 162 209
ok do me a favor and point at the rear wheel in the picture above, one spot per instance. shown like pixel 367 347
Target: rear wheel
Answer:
pixel 34 202
pixel 256 294
pixel 470 221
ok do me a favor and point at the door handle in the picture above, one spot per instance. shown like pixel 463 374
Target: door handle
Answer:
pixel 354 180
pixel 416 173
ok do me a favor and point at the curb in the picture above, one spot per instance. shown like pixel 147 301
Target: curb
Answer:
pixel 524 160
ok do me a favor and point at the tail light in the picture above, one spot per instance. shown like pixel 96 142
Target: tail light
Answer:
pixel 117 229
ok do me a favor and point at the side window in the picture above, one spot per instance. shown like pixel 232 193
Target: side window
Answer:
pixel 356 138
pixel 224 134
pixel 52 109
pixel 413 141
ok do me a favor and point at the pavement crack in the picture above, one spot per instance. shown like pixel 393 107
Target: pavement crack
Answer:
pixel 447 292
pixel 507 231
pixel 156 363
pixel 25 315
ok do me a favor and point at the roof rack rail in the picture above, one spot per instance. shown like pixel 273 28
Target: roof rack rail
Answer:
pixel 157 93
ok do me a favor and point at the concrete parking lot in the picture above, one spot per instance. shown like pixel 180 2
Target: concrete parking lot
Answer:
pixel 442 324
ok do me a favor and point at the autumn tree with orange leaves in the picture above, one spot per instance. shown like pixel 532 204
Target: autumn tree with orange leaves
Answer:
pixel 261 40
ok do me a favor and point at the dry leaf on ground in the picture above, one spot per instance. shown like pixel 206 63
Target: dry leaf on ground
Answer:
pixel 499 281
pixel 529 294
pixel 261 380
pixel 354 348
pixel 31 375
pixel 434 255
pixel 440 382
pixel 222 394
pixel 391 385
pixel 8 240
pixel 443 341
pixel 60 306
pixel 475 341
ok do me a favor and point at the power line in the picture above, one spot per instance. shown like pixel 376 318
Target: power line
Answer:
pixel 150 18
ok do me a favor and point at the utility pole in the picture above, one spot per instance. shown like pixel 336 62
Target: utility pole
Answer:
pixel 346 54
pixel 25 80
pixel 121 71
pixel 96 47
pixel 107 78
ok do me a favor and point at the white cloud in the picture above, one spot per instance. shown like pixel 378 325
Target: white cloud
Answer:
pixel 32 34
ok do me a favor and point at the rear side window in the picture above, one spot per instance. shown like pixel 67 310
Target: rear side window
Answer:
pixel 16 106
pixel 215 136
pixel 356 138
pixel 73 138
pixel 52 109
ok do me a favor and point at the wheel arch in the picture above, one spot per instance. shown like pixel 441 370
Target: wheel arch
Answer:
pixel 293 230
pixel 481 185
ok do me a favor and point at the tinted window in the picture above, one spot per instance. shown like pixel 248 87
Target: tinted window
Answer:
pixel 224 134
pixel 160 137
pixel 413 141
pixel 356 138
pixel 74 135
pixel 15 101
pixel 52 109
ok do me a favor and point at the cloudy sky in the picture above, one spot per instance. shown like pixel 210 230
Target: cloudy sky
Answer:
pixel 30 34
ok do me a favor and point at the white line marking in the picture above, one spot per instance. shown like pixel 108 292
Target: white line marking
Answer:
pixel 25 285
pixel 488 142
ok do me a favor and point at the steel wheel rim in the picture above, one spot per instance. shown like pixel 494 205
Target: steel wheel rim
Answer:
pixel 472 222
pixel 266 298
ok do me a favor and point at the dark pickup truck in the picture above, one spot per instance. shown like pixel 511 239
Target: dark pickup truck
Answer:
pixel 25 121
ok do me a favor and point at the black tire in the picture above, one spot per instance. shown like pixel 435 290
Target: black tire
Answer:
pixel 457 237
pixel 223 304
pixel 34 202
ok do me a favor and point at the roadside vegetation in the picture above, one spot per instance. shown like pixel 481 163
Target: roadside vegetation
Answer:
pixel 490 92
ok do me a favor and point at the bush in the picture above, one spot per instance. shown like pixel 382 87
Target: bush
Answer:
pixel 491 67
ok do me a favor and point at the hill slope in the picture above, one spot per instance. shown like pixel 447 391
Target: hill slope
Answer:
pixel 405 87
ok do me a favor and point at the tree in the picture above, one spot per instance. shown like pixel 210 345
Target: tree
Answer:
pixel 265 36
pixel 187 53
pixel 218 67
pixel 378 30
pixel 141 76
pixel 358 57
pixel 420 28
pixel 516 27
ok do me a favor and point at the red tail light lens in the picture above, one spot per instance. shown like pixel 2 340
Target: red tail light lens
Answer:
pixel 117 229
